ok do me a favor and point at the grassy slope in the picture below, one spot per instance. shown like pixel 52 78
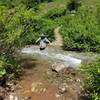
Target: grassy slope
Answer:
pixel 89 7
pixel 45 7
pixel 11 16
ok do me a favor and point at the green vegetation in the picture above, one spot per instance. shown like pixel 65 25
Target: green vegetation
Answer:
pixel 80 25
pixel 55 13
pixel 92 72
pixel 22 22
pixel 80 33
pixel 19 26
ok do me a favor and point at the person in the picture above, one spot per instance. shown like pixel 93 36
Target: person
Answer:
pixel 43 41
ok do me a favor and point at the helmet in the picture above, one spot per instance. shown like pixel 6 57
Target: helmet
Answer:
pixel 42 36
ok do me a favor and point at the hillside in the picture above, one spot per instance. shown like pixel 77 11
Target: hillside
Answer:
pixel 23 21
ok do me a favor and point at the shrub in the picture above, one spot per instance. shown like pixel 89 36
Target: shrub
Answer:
pixel 20 27
pixel 80 33
pixel 92 72
pixel 24 28
pixel 2 70
pixel 3 14
pixel 2 27
pixel 9 66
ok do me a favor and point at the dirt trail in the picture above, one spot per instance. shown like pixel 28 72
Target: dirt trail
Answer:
pixel 40 82
pixel 58 39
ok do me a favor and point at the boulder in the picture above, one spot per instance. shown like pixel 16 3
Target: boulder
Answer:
pixel 57 67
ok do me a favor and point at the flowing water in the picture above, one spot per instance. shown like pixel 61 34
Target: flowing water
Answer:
pixel 68 58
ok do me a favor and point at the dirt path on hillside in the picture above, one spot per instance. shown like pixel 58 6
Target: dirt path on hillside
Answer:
pixel 58 39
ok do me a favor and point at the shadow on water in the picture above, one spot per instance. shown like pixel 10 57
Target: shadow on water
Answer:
pixel 28 63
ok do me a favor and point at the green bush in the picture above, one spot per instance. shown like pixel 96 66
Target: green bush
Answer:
pixel 24 28
pixel 3 14
pixel 19 27
pixel 2 70
pixel 92 83
pixel 9 66
pixel 80 33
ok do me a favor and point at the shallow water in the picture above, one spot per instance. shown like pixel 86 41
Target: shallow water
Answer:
pixel 68 58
